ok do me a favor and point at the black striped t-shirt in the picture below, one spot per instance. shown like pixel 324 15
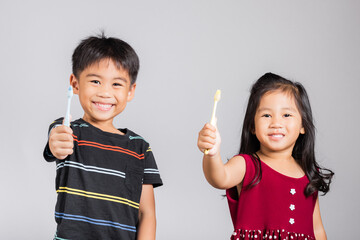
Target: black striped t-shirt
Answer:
pixel 99 185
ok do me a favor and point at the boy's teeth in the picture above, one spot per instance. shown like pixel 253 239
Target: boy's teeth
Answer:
pixel 104 106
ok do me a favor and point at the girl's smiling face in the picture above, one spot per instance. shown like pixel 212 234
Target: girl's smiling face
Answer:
pixel 277 122
pixel 104 91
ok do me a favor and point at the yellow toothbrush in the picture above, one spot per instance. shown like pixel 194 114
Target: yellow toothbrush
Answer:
pixel 213 118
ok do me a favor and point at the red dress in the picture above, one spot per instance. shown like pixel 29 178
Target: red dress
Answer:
pixel 275 208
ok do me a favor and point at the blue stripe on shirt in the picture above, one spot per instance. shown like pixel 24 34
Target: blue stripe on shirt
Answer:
pixel 95 221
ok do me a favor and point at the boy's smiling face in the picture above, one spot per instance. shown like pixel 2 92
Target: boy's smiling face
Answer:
pixel 104 91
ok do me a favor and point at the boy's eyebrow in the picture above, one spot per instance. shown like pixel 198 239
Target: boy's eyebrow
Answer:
pixel 93 75
pixel 98 76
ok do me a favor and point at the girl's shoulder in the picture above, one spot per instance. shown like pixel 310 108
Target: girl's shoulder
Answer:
pixel 246 158
pixel 250 164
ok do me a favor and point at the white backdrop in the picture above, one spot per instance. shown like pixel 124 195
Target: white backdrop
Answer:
pixel 187 49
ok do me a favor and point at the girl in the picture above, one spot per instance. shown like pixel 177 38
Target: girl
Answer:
pixel 272 185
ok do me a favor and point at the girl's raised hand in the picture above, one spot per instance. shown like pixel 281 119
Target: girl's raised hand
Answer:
pixel 209 138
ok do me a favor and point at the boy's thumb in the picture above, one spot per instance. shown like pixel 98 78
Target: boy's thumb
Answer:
pixel 63 122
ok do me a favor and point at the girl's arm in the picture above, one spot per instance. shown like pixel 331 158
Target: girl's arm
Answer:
pixel 218 174
pixel 319 230
pixel 147 216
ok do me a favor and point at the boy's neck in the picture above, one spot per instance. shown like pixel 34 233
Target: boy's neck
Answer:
pixel 106 126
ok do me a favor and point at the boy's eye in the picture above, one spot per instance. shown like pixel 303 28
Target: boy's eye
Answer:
pixel 117 84
pixel 95 81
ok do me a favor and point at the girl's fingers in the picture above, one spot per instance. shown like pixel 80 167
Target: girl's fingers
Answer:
pixel 209 126
pixel 207 133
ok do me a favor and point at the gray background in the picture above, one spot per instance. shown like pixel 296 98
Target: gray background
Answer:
pixel 188 49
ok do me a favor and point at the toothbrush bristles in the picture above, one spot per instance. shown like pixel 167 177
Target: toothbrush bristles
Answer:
pixel 70 92
pixel 217 95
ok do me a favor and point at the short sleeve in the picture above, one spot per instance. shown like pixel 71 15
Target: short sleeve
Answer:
pixel 151 171
pixel 48 156
pixel 250 173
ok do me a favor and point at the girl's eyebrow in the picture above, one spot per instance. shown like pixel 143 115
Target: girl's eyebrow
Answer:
pixel 269 109
pixel 289 109
pixel 263 109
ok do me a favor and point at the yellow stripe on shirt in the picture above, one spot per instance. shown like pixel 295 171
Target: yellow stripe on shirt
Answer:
pixel 105 197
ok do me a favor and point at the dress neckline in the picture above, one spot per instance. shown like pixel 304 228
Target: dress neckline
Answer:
pixel 279 173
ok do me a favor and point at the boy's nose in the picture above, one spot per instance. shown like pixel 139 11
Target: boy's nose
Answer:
pixel 104 92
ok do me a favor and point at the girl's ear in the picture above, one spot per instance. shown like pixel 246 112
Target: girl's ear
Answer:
pixel 74 83
pixel 302 130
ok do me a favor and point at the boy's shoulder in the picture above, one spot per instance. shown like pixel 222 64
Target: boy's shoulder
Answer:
pixel 132 135
pixel 79 126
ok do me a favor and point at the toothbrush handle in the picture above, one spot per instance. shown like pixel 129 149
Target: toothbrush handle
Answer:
pixel 212 122
pixel 67 115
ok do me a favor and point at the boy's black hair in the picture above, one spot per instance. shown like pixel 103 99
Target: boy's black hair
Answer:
pixel 96 48
pixel 304 149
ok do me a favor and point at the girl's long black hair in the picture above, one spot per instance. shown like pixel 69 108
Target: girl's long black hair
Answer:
pixel 304 149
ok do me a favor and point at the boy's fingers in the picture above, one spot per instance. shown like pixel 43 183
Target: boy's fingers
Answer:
pixel 61 137
pixel 67 151
pixel 63 129
pixel 70 117
pixel 66 145
pixel 68 129
pixel 62 150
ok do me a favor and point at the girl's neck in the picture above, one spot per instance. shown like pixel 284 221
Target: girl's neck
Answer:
pixel 282 162
pixel 275 156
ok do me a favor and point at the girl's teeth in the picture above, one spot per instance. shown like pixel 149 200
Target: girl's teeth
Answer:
pixel 277 135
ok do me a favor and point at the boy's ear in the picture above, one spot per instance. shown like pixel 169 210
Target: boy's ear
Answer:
pixel 74 83
pixel 131 92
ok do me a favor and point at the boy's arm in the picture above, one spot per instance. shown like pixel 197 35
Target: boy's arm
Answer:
pixel 147 216
pixel 319 230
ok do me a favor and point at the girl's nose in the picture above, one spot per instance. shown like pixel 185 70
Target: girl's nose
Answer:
pixel 276 122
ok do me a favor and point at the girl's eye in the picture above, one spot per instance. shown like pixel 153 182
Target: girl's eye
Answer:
pixel 266 115
pixel 95 81
pixel 117 84
pixel 287 115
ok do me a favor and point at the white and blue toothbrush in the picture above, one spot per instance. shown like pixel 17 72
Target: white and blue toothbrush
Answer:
pixel 67 116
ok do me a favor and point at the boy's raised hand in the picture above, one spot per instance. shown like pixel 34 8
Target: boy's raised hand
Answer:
pixel 61 142
pixel 209 138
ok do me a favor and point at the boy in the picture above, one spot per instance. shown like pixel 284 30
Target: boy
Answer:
pixel 105 176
